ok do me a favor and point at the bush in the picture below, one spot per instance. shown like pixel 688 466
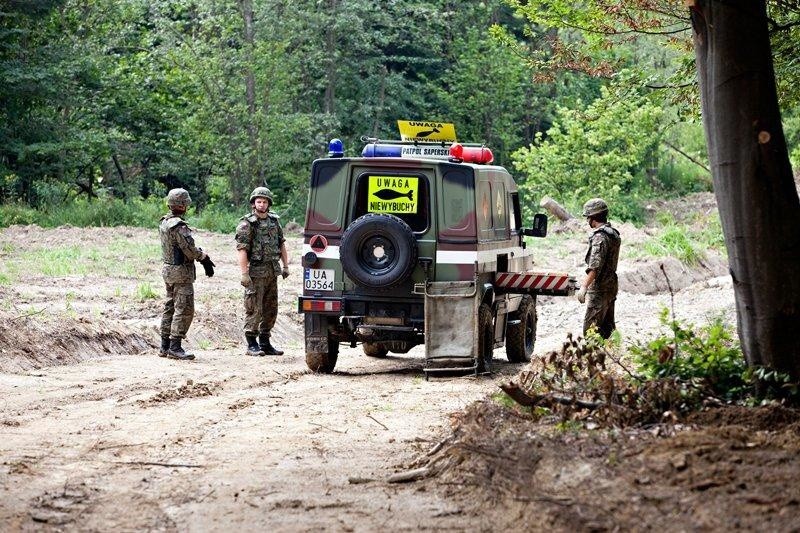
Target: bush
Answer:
pixel 216 218
pixel 11 214
pixel 113 212
pixel 674 242
pixel 708 358
pixel 603 150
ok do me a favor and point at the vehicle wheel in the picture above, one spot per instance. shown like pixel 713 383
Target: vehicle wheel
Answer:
pixel 374 349
pixel 378 251
pixel 521 337
pixel 323 362
pixel 485 338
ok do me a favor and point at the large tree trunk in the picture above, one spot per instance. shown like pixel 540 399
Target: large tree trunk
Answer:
pixel 753 183
pixel 253 157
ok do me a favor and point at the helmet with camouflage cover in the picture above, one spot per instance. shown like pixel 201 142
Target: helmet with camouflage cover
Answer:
pixel 179 197
pixel 595 206
pixel 261 192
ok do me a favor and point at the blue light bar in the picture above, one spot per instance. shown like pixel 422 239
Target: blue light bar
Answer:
pixel 382 150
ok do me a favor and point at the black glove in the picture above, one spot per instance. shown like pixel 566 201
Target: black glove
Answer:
pixel 208 266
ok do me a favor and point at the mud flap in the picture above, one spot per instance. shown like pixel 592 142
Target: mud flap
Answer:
pixel 451 326
pixel 316 333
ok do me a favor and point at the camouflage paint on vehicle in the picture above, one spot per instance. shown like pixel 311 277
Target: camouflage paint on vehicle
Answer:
pixel 463 222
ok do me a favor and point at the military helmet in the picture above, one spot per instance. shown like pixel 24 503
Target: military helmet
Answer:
pixel 261 192
pixel 179 197
pixel 595 206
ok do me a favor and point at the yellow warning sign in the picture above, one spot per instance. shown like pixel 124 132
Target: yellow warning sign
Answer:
pixel 411 130
pixel 392 194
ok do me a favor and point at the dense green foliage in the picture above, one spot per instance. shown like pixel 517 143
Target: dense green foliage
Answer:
pixel 602 150
pixel 708 357
pixel 642 50
pixel 124 99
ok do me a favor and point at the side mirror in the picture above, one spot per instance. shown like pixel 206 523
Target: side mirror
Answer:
pixel 539 228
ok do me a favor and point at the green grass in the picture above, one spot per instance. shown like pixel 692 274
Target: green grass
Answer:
pixel 687 242
pixel 107 212
pixel 144 291
pixel 553 243
pixel 119 257
pixel 674 242
pixel 504 399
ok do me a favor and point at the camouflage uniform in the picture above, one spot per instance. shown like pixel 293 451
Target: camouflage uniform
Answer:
pixel 602 257
pixel 179 253
pixel 262 239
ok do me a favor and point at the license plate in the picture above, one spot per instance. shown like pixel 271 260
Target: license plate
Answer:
pixel 319 279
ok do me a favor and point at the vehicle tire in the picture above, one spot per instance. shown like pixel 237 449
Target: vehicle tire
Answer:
pixel 323 362
pixel 485 339
pixel 521 337
pixel 374 349
pixel 378 251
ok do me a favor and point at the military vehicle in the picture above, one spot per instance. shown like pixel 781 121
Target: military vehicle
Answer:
pixel 419 243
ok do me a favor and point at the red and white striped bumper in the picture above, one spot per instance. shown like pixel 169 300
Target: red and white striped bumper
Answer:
pixel 536 283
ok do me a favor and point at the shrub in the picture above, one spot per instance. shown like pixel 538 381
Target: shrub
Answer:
pixel 216 218
pixel 603 150
pixel 11 214
pixel 708 358
pixel 674 242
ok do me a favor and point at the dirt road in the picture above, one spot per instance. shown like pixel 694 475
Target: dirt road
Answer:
pixel 116 437
pixel 255 444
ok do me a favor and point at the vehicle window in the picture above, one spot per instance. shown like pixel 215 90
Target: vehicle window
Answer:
pixel 499 210
pixel 403 195
pixel 457 207
pixel 327 195
pixel 516 215
pixel 484 211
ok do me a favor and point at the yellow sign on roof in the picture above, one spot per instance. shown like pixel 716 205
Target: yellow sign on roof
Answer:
pixel 411 130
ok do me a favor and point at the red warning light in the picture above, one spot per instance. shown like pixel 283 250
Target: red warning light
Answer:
pixel 471 154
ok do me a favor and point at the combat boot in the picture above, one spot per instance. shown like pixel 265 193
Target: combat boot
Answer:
pixel 252 346
pixel 176 352
pixel 269 349
pixel 164 347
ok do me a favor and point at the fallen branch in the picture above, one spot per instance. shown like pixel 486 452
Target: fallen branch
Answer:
pixel 409 475
pixel 96 447
pixel 155 463
pixel 526 400
pixel 326 427
pixel 26 315
pixel 355 480
pixel 377 422
pixel 439 445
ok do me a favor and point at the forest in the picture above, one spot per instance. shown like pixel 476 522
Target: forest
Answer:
pixel 107 104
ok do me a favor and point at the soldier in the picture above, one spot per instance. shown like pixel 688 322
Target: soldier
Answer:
pixel 600 285
pixel 260 243
pixel 179 254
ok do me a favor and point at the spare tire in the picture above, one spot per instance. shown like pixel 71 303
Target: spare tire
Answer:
pixel 378 251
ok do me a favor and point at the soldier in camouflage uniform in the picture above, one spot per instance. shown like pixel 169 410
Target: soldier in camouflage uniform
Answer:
pixel 599 290
pixel 260 244
pixel 179 254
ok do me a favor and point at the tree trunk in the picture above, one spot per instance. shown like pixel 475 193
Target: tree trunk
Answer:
pixel 555 209
pixel 253 166
pixel 753 183
pixel 330 44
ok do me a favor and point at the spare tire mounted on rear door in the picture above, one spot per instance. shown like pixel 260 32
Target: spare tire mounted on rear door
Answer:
pixel 378 251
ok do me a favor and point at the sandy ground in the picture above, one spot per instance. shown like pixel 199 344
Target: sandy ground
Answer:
pixel 98 433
